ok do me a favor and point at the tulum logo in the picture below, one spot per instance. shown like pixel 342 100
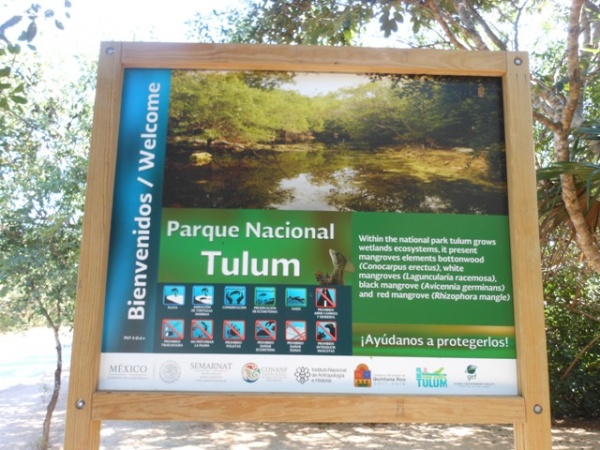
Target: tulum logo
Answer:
pixel 426 379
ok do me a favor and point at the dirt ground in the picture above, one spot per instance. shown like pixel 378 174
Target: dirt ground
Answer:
pixel 26 366
pixel 339 436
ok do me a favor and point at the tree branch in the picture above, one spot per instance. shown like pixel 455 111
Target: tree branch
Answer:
pixel 574 95
pixel 462 6
pixel 541 118
pixel 579 356
pixel 437 14
pixel 499 43
pixel 592 42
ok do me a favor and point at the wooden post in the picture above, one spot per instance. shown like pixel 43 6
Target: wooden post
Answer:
pixel 82 430
pixel 535 432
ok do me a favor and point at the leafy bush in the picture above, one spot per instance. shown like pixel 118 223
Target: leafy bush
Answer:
pixel 573 333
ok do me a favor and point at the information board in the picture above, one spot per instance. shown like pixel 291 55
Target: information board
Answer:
pixel 330 223
pixel 301 264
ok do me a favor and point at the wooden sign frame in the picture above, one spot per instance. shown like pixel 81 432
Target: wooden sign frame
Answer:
pixel 529 411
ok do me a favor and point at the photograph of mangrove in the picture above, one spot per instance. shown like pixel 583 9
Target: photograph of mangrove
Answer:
pixel 335 142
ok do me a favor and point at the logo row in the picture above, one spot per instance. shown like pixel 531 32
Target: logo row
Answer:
pixel 362 375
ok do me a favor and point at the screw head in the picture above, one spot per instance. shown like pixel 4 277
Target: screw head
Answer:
pixel 80 404
pixel 518 61
pixel 110 51
pixel 537 409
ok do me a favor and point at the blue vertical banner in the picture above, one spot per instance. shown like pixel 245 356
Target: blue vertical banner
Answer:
pixel 131 295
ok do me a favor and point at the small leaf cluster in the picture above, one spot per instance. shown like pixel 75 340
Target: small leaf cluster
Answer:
pixel 13 83
pixel 12 89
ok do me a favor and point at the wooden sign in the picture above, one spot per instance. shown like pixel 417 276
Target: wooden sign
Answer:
pixel 310 234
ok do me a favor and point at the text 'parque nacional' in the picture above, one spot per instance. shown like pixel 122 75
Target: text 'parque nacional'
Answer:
pixel 250 230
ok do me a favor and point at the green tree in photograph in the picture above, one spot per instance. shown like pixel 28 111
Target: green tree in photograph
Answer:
pixel 236 108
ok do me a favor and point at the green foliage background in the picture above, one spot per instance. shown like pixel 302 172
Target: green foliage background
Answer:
pixel 572 330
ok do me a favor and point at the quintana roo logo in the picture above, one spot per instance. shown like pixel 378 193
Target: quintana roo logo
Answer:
pixel 250 372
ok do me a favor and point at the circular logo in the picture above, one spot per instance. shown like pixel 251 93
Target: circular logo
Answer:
pixel 302 374
pixel 471 369
pixel 250 372
pixel 169 372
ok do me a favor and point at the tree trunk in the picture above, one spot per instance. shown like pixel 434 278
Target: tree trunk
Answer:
pixel 45 441
pixel 568 120
pixel 584 236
